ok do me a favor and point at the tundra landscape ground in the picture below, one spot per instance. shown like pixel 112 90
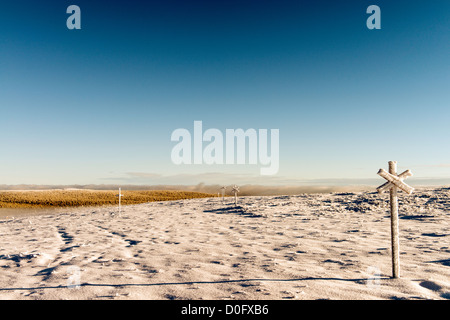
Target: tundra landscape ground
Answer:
pixel 306 246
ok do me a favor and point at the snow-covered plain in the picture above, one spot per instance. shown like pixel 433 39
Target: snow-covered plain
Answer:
pixel 308 246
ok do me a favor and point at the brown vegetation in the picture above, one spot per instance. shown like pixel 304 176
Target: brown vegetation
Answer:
pixel 72 198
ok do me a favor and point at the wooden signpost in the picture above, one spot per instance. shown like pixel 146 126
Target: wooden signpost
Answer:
pixel 235 190
pixel 393 183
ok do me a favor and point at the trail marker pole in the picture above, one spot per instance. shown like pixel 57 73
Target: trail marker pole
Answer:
pixel 394 181
pixel 120 195
pixel 235 190
pixel 223 193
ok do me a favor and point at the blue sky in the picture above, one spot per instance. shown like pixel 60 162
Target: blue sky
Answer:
pixel 98 105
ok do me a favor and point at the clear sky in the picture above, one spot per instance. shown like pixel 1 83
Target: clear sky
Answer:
pixel 98 105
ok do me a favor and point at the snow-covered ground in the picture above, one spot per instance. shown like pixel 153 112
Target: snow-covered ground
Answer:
pixel 308 246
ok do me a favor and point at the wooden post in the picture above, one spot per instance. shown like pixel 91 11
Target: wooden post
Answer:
pixel 394 182
pixel 223 193
pixel 235 190
pixel 120 195
pixel 395 243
